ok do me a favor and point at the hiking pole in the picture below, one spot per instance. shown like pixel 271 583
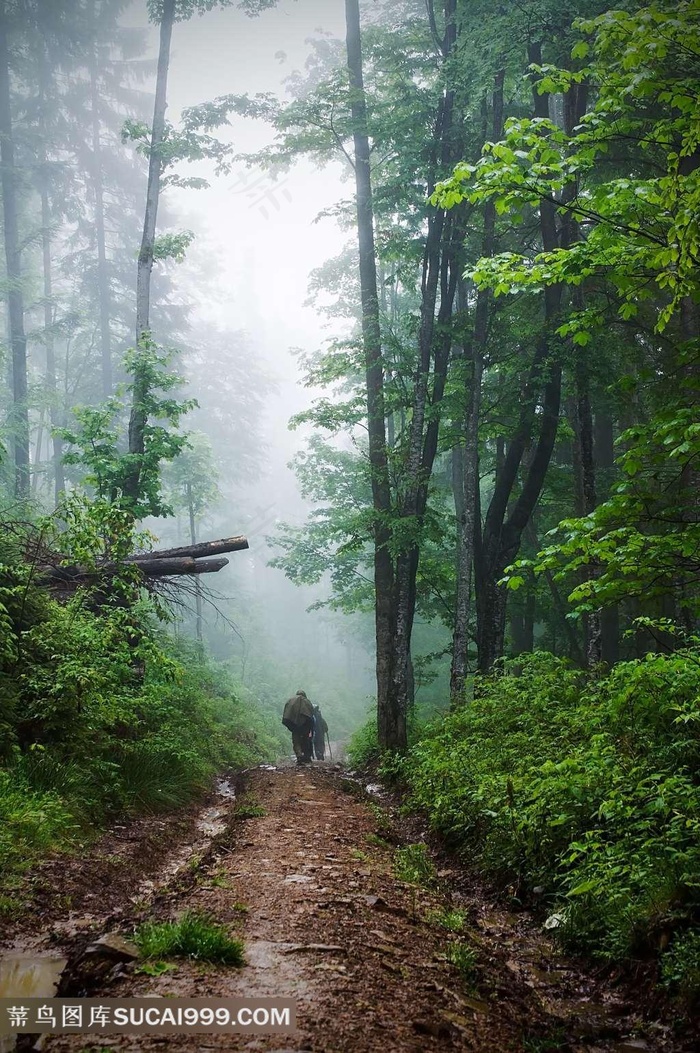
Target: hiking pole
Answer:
pixel 330 751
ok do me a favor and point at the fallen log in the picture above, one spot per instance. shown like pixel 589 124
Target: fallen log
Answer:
pixel 160 568
pixel 204 548
pixel 149 568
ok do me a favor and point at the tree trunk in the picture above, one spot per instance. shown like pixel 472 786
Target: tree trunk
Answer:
pixel 15 300
pixel 583 422
pixel 198 590
pixel 103 291
pixel 49 340
pixel 522 624
pixel 391 721
pixel 468 524
pixel 604 454
pixel 585 470
pixel 138 418
pixel 442 266
pixel 49 343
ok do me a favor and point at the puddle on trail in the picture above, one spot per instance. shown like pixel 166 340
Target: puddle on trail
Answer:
pixel 27 976
pixel 224 788
pixel 212 822
pixel 31 976
pixel 209 824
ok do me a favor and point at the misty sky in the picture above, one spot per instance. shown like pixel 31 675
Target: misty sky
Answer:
pixel 260 234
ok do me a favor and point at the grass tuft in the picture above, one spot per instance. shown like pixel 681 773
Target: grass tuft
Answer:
pixel 413 865
pixel 463 958
pixel 196 935
pixel 452 920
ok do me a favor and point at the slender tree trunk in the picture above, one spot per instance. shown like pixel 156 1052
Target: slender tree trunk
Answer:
pixel 604 453
pixel 197 587
pixel 15 300
pixel 137 420
pixel 50 344
pixel 103 290
pixel 391 720
pixel 468 523
pixel 441 269
pixel 49 339
pixel 585 470
pixel 38 445
pixel 522 625
pixel 583 416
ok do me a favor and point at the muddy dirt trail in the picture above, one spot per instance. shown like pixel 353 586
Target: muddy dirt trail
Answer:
pixel 301 867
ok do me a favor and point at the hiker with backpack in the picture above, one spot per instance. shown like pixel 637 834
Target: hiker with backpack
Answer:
pixel 298 717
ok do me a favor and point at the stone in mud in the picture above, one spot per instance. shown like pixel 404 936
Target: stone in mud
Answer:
pixel 377 903
pixel 438 1029
pixel 114 947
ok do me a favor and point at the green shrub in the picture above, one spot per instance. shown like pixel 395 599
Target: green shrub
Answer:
pixel 582 786
pixel 364 748
pixel 413 865
pixel 195 935
pixel 31 823
pixel 681 965
pixel 102 713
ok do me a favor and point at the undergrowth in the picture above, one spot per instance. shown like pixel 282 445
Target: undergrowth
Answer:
pixel 586 787
pixel 103 714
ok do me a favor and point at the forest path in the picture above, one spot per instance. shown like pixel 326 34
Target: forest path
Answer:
pixel 308 883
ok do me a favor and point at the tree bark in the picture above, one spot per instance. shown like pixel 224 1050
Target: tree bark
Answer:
pixel 15 299
pixel 391 720
pixel 138 418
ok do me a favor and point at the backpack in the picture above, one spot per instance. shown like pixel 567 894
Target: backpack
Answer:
pixel 290 713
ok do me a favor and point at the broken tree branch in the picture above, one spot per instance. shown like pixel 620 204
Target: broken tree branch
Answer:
pixel 204 548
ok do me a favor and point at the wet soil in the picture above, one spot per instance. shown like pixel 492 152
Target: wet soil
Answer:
pixel 310 887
